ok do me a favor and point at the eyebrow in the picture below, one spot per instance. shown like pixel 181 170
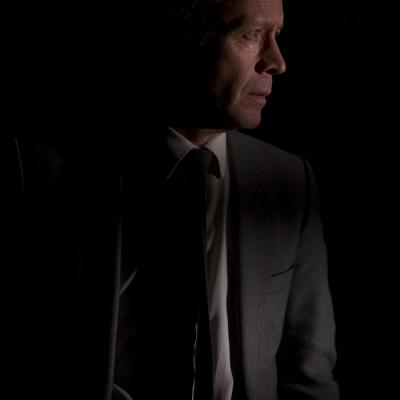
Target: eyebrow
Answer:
pixel 236 23
pixel 233 24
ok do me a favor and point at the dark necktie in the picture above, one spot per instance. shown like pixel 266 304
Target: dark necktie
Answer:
pixel 198 163
pixel 203 354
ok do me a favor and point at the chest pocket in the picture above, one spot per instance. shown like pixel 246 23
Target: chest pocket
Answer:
pixel 280 280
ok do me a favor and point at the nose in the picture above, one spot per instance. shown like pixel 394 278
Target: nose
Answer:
pixel 271 60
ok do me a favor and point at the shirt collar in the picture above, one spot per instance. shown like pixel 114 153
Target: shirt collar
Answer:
pixel 180 146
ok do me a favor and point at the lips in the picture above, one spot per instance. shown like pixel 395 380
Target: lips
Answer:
pixel 261 94
pixel 258 98
pixel 260 87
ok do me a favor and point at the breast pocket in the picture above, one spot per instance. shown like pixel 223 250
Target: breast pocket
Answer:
pixel 280 280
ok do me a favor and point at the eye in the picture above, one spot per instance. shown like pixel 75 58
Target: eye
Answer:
pixel 253 34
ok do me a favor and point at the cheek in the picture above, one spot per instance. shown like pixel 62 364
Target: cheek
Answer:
pixel 233 68
pixel 232 76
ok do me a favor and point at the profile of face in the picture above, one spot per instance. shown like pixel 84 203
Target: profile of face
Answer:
pixel 244 59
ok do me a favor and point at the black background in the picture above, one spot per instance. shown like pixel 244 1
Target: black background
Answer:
pixel 75 74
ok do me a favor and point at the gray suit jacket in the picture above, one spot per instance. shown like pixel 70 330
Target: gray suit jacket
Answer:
pixel 280 312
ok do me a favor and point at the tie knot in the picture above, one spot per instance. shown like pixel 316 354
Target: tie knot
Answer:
pixel 202 159
pixel 197 162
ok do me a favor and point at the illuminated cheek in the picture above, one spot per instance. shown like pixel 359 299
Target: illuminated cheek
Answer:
pixel 222 85
pixel 232 74
pixel 231 90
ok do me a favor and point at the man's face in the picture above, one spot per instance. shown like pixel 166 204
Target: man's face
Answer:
pixel 245 56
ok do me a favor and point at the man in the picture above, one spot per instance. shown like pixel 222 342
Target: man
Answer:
pixel 118 239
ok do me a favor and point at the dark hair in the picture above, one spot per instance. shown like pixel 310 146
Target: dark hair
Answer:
pixel 187 9
pixel 184 54
pixel 191 19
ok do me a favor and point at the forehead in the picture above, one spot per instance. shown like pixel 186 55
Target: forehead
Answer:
pixel 268 11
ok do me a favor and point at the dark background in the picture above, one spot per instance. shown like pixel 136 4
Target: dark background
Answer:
pixel 75 74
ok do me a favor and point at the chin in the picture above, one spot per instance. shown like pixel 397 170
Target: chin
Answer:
pixel 249 121
pixel 245 117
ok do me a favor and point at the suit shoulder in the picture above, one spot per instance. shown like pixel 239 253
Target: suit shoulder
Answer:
pixel 269 156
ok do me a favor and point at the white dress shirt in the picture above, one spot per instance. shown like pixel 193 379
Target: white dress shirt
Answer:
pixel 217 274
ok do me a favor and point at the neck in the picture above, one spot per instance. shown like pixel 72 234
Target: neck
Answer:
pixel 199 137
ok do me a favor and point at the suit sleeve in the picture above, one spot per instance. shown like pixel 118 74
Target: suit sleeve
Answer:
pixel 307 353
